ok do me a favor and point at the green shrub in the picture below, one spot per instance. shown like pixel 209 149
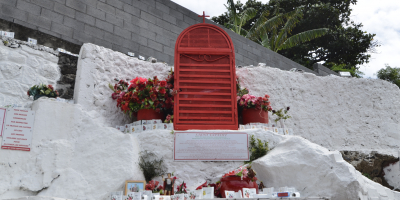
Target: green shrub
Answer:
pixel 257 149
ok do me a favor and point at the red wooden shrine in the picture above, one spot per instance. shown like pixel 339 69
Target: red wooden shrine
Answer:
pixel 205 79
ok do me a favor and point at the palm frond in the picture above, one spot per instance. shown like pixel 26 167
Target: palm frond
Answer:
pixel 303 37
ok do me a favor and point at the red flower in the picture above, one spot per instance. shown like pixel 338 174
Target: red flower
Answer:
pixel 201 186
pixel 114 95
pixel 50 87
pixel 162 91
pixel 163 83
pixel 28 93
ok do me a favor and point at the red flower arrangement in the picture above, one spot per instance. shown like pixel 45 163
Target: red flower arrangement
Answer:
pixel 251 101
pixel 181 189
pixel 142 93
pixel 201 186
pixel 152 185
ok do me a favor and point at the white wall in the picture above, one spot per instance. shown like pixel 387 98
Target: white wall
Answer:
pixel 71 157
pixel 99 66
pixel 337 113
pixel 21 68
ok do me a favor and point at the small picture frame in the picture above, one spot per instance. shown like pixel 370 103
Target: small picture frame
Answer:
pixel 134 186
pixel 229 194
pixel 208 193
pixel 157 121
pixel 116 195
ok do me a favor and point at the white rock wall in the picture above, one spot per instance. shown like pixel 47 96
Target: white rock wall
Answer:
pixel 337 113
pixel 99 66
pixel 392 175
pixel 21 68
pixel 72 157
pixel 316 172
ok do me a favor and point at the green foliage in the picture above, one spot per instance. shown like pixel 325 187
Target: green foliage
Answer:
pixel 345 42
pixel 354 71
pixel 281 114
pixel 272 33
pixel 257 149
pixel 391 74
pixel 151 165
pixel 42 90
pixel 239 90
pixel 5 42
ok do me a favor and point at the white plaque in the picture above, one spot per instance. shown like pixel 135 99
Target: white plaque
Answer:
pixel 32 41
pixel 18 129
pixel 202 146
pixel 2 119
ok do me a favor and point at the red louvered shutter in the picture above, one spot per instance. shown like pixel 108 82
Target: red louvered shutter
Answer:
pixel 205 78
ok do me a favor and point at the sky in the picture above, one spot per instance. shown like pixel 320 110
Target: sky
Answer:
pixel 379 17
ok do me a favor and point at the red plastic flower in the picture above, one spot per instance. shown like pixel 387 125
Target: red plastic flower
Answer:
pixel 201 186
pixel 163 83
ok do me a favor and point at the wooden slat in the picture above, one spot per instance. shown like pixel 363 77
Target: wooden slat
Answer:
pixel 205 122
pixel 204 70
pixel 203 76
pixel 203 87
pixel 205 111
pixel 202 65
pixel 203 81
pixel 200 118
pixel 206 93
pixel 212 51
pixel 203 99
pixel 204 106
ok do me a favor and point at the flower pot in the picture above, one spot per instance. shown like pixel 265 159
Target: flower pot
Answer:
pixel 148 114
pixel 252 115
pixel 36 97
pixel 236 183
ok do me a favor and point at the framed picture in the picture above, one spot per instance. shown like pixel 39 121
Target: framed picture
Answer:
pixel 134 186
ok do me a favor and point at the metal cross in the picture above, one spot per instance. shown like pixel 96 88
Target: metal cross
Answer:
pixel 204 16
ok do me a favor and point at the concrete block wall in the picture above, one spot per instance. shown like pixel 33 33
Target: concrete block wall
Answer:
pixel 145 27
pixel 323 71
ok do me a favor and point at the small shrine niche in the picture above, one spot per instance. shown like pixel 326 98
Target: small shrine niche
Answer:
pixel 205 79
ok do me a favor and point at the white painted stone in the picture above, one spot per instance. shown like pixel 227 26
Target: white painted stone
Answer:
pixel 10 70
pixel 311 169
pixel 17 57
pixel 392 175
pixel 337 113
pixel 334 112
pixel 72 157
pixel 99 66
pixel 20 69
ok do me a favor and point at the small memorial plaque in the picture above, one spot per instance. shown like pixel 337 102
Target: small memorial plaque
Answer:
pixel 18 129
pixel 2 119
pixel 203 146
pixel 32 41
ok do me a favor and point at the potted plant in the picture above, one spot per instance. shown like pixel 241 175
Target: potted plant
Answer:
pixel 243 177
pixel 181 192
pixel 146 98
pixel 254 109
pixel 42 90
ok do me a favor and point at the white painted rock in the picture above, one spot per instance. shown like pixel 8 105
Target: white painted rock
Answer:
pixel 316 172
pixel 334 112
pixel 71 157
pixel 392 175
pixel 98 67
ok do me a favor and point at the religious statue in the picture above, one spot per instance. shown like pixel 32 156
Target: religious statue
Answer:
pixel 261 186
pixel 168 184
